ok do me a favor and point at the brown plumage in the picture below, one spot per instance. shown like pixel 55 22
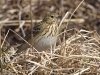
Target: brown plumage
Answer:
pixel 44 32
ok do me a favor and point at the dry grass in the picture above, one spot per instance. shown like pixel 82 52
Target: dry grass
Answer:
pixel 79 54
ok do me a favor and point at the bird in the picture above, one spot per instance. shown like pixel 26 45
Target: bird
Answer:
pixel 45 34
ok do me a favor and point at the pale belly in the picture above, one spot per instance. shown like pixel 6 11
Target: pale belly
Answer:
pixel 45 43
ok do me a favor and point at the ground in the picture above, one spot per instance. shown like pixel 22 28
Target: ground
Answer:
pixel 78 48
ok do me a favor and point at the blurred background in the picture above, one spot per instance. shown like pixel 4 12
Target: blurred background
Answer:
pixel 14 11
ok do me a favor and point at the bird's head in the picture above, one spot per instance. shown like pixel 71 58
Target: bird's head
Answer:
pixel 51 18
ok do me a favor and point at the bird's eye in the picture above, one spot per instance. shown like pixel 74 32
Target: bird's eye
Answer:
pixel 52 16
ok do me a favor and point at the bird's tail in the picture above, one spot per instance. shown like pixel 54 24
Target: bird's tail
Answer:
pixel 23 47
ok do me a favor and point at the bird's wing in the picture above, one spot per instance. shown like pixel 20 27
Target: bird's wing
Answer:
pixel 36 29
pixel 24 46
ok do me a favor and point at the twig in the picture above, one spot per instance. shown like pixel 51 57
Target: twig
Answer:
pixel 0 52
pixel 31 21
pixel 80 20
pixel 74 12
pixel 66 15
pixel 16 34
pixel 82 71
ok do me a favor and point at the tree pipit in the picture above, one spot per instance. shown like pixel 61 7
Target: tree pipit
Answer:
pixel 45 33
